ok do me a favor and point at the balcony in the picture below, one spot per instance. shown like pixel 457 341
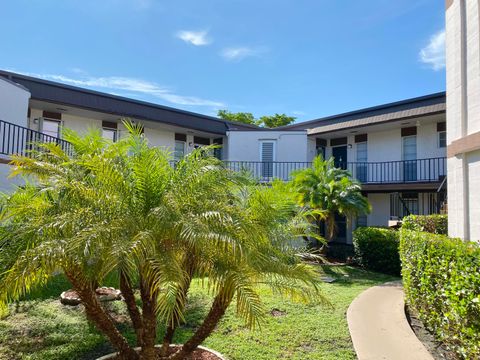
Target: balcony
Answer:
pixel 431 170
pixel 19 140
pixel 15 139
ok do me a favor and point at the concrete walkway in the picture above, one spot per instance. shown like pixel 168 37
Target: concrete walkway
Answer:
pixel 379 328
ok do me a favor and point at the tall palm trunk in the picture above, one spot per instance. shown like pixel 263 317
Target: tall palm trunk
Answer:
pixel 98 316
pixel 219 306
pixel 133 311
pixel 149 319
pixel 330 232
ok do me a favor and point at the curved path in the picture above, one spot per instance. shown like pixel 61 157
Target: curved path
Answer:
pixel 379 328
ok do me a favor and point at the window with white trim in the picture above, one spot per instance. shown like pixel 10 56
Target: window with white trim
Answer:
pixel 109 130
pixel 109 134
pixel 442 139
pixel 179 150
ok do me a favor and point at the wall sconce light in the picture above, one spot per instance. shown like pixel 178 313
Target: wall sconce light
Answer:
pixel 35 121
pixel 349 146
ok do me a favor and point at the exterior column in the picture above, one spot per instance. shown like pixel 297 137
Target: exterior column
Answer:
pixel 463 117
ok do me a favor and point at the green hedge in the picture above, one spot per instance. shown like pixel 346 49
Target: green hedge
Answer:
pixel 377 249
pixel 436 224
pixel 441 277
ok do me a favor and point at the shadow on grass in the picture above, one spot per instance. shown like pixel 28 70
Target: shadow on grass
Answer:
pixel 47 330
pixel 354 276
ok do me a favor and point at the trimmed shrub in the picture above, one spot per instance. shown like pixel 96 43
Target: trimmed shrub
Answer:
pixel 441 277
pixel 435 224
pixel 377 249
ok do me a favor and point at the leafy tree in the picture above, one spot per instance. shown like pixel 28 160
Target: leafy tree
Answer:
pixel 242 117
pixel 121 208
pixel 276 120
pixel 330 190
pixel 270 121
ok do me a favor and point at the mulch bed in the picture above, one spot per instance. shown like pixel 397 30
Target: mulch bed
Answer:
pixel 435 348
pixel 198 354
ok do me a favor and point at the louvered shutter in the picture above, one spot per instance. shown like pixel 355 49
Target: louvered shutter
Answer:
pixel 267 158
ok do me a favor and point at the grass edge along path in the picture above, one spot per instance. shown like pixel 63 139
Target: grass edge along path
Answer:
pixel 40 328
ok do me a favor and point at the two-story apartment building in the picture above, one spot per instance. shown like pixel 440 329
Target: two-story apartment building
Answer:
pixel 397 150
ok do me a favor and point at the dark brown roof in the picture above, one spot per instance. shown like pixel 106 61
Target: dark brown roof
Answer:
pixel 410 108
pixel 58 93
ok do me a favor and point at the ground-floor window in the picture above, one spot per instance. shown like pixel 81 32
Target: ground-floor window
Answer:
pixel 416 203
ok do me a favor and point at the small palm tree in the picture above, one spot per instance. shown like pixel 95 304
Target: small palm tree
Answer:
pixel 331 191
pixel 122 208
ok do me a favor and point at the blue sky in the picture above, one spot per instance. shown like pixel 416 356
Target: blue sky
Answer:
pixel 306 58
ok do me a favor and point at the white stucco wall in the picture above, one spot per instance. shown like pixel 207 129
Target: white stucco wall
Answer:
pixel 13 103
pixel 160 138
pixel 380 209
pixel 463 109
pixel 156 135
pixel 427 142
pixel 289 145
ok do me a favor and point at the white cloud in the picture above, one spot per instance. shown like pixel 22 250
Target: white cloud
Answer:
pixel 298 113
pixel 125 85
pixel 434 53
pixel 197 38
pixel 241 52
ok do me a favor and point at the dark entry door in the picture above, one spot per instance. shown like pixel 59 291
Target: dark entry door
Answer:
pixel 340 155
pixel 341 228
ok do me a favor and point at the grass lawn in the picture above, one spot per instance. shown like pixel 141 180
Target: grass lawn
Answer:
pixel 42 328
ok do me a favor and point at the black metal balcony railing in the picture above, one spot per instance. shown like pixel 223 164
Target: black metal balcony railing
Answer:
pixel 16 139
pixel 402 171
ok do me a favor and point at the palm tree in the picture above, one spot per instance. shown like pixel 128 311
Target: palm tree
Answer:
pixel 331 191
pixel 123 208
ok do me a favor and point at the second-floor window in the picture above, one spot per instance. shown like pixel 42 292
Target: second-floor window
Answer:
pixel 179 150
pixel 109 134
pixel 362 158
pixel 199 141
pixel 442 134
pixel 442 139
pixel 180 144
pixel 109 130
pixel 218 152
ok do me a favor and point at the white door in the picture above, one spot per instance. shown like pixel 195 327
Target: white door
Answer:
pixel 51 127
pixel 409 153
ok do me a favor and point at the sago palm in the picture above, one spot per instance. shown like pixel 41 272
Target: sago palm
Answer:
pixel 123 208
pixel 331 191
